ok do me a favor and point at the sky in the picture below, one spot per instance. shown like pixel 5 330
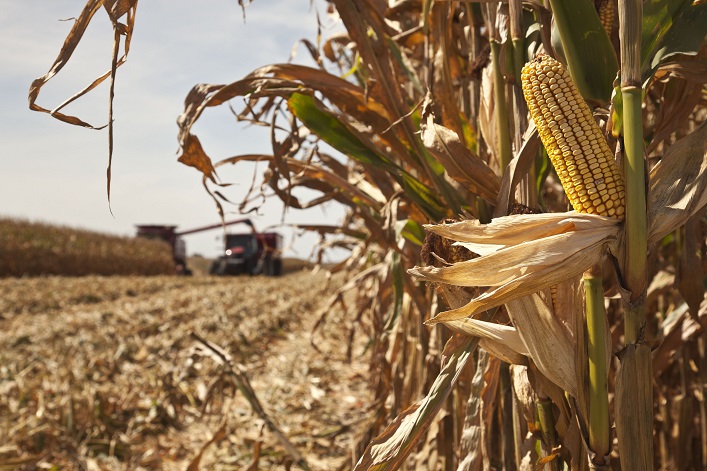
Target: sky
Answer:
pixel 54 172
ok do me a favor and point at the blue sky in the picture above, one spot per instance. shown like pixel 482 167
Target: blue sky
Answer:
pixel 54 172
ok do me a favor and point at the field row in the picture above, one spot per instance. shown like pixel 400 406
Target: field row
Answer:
pixel 103 373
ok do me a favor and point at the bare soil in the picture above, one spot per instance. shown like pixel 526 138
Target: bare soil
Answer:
pixel 104 373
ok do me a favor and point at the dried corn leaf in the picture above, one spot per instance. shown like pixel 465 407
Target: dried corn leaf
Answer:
pixel 682 435
pixel 690 274
pixel 486 112
pixel 678 185
pixel 490 439
pixel 333 130
pixel 461 163
pixel 502 352
pixel 526 396
pixel 677 89
pixel 367 28
pixel 517 169
pixel 315 173
pixel 71 42
pixel 193 155
pixel 390 449
pixel 471 455
pixel 677 329
pixel 115 10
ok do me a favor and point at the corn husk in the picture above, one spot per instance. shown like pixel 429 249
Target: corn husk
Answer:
pixel 502 341
pixel 521 255
pixel 548 342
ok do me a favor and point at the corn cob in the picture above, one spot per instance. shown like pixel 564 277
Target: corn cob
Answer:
pixel 574 142
pixel 606 10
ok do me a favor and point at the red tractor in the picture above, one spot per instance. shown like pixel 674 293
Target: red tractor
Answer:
pixel 250 253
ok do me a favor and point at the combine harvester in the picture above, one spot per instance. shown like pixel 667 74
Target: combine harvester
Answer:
pixel 250 253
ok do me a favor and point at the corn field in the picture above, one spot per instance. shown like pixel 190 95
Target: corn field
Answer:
pixel 32 249
pixel 525 190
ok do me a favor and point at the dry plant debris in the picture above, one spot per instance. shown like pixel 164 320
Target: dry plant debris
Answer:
pixel 102 373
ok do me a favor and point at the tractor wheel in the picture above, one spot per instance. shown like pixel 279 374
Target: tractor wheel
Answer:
pixel 249 268
pixel 267 266
pixel 217 268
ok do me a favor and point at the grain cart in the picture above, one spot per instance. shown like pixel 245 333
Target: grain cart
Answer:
pixel 248 253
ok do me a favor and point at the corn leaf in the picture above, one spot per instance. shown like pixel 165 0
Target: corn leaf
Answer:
pixel 686 36
pixel 423 196
pixel 413 232
pixel 659 16
pixel 193 155
pixel 678 185
pixel 591 59
pixel 330 129
pixel 389 450
pixel 461 164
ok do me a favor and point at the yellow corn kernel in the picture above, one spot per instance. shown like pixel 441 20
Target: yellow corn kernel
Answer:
pixel 574 142
pixel 606 10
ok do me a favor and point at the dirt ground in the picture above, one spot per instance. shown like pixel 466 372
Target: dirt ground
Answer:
pixel 106 373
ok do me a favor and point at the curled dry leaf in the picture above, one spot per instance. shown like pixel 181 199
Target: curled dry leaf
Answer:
pixel 115 10
pixel 524 392
pixel 460 162
pixel 193 155
pixel 70 43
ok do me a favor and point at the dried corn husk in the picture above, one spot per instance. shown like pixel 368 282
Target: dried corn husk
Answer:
pixel 521 255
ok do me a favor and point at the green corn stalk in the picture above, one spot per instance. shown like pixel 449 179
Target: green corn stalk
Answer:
pixel 634 383
pixel 599 428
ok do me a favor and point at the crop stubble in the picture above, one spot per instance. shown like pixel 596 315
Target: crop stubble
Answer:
pixel 100 372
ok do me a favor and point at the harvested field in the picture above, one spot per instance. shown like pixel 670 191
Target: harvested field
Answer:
pixel 103 373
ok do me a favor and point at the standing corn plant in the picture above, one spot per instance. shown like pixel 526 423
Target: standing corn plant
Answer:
pixel 428 102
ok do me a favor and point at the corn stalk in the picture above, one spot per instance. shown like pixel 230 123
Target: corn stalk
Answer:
pixel 634 385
